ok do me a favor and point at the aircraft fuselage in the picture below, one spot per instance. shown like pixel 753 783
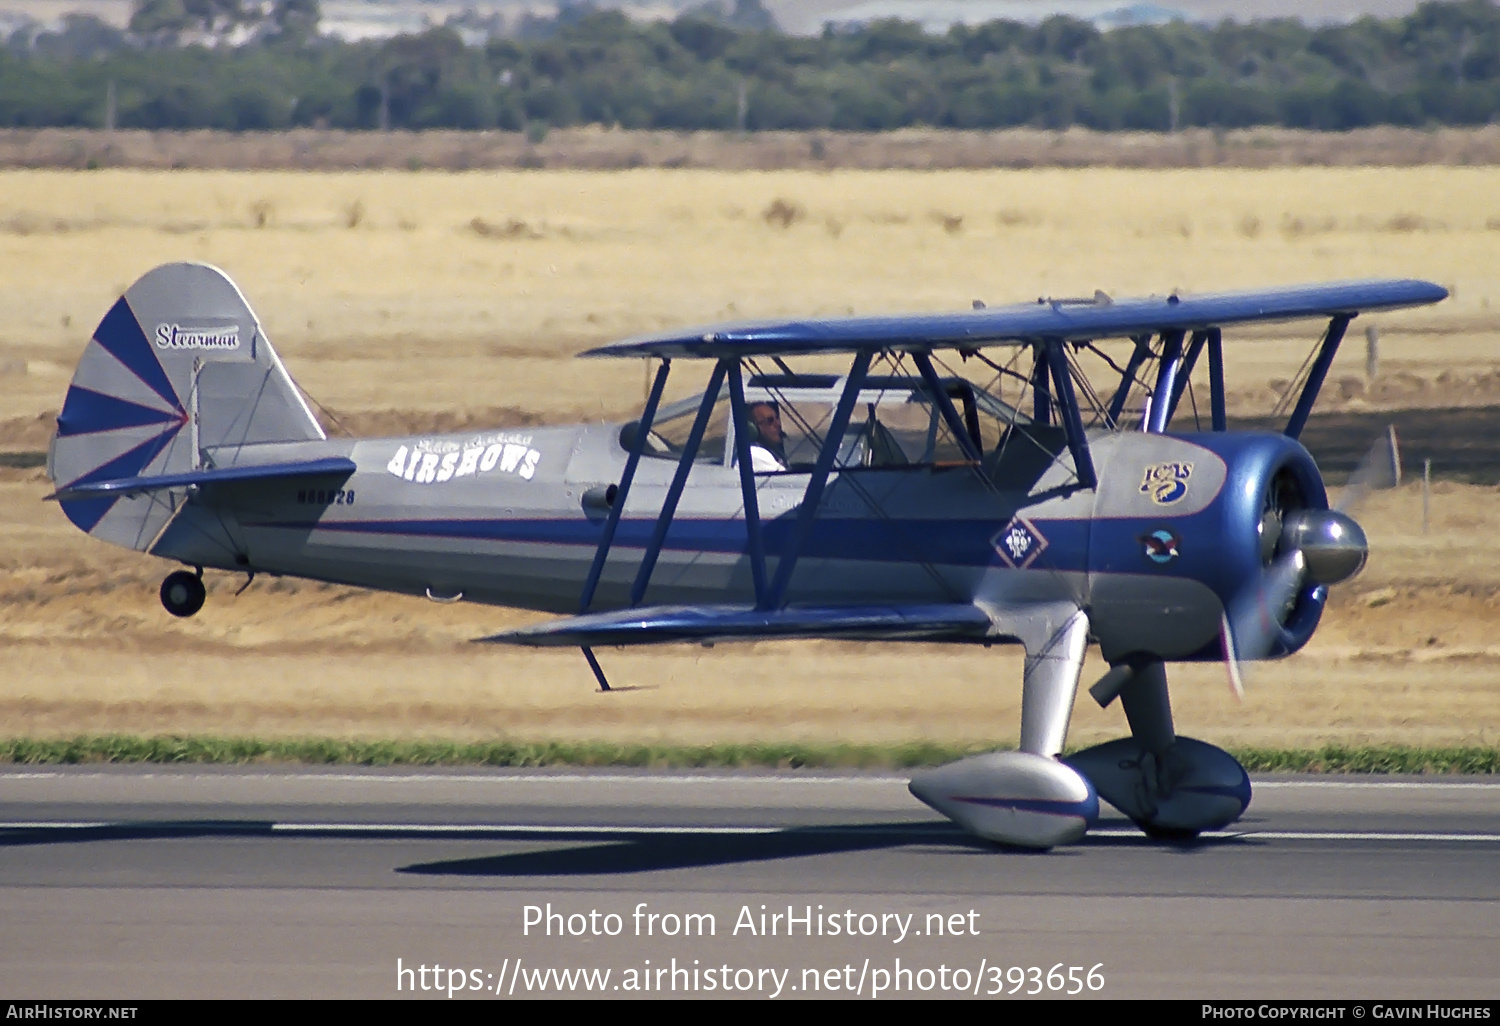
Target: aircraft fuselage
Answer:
pixel 513 517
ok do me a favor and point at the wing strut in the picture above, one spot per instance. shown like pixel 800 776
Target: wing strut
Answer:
pixel 945 406
pixel 679 482
pixel 1326 353
pixel 606 539
pixel 1185 372
pixel 1041 395
pixel 815 484
pixel 1138 356
pixel 737 410
pixel 1067 405
pixel 637 446
pixel 1216 378
pixel 1166 381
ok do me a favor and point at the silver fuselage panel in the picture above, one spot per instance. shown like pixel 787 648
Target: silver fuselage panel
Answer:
pixel 501 518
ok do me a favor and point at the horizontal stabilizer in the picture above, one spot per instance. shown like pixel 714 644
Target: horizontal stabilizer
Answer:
pixel 649 625
pixel 330 467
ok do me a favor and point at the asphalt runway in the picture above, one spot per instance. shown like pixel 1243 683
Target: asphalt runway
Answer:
pixel 134 882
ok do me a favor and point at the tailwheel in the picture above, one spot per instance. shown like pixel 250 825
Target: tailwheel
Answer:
pixel 182 593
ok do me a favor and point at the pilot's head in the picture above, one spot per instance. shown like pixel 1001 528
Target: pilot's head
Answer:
pixel 766 416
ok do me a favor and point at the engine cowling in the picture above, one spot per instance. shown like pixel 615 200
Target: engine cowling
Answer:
pixel 1224 509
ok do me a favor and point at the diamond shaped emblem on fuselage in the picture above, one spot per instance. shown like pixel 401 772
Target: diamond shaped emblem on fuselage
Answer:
pixel 1019 543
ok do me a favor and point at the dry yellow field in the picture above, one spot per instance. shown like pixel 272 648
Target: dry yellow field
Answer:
pixel 468 291
pixel 425 298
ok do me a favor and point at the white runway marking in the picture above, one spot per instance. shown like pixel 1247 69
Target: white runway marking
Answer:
pixel 1315 835
pixel 645 777
pixel 1392 785
pixel 916 828
pixel 750 777
pixel 545 830
pixel 1331 835
pixel 492 828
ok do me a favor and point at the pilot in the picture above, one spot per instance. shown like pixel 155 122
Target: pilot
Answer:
pixel 768 447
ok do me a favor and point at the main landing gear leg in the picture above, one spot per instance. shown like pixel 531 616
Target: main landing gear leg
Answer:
pixel 1148 708
pixel 183 593
pixel 1172 787
pixel 1026 798
pixel 1050 685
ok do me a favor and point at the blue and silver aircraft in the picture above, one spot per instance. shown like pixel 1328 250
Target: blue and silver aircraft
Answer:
pixel 896 500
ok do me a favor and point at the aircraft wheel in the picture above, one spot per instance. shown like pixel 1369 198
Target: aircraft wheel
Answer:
pixel 183 593
pixel 1175 834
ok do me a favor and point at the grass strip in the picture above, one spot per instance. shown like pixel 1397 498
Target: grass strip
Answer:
pixel 120 748
pixel 1371 759
pixel 331 752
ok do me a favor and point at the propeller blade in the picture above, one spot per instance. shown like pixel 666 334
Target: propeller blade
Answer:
pixel 1380 469
pixel 1232 659
pixel 1330 540
pixel 1252 622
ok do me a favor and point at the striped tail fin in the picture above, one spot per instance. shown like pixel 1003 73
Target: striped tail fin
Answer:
pixel 178 368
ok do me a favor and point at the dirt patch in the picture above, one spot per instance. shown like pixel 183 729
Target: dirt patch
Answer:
pixel 27 433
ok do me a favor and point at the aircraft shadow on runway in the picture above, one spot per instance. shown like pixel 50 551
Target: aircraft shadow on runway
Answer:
pixel 616 854
pixel 587 851
pixel 138 830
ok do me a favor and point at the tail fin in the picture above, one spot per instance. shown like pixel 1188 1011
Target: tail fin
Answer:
pixel 178 366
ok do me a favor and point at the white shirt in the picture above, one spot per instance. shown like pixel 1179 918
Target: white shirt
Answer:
pixel 763 461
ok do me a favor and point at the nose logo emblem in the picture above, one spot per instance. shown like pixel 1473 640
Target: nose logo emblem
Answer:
pixel 1166 483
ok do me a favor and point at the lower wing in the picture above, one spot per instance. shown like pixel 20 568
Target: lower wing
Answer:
pixel 649 625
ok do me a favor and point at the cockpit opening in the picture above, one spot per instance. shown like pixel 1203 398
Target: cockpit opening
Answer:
pixel 896 423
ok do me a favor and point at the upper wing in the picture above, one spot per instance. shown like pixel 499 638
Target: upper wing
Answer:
pixel 1072 320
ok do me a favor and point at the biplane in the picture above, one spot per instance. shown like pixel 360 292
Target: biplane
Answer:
pixel 902 497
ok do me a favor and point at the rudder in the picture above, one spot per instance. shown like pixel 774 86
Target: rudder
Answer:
pixel 179 365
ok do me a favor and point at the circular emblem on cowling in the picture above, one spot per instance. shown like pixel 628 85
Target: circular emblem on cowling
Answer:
pixel 1161 546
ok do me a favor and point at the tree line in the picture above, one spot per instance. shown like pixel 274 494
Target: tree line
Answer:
pixel 242 66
